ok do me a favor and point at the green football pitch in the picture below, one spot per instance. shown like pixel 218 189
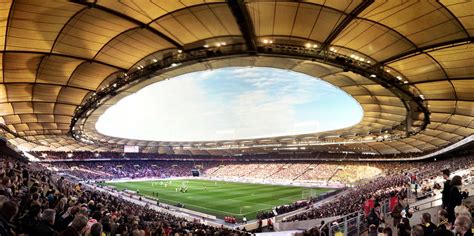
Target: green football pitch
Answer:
pixel 221 198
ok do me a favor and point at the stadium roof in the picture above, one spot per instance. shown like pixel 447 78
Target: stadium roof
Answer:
pixel 410 64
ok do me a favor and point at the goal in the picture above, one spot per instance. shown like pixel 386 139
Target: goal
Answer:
pixel 309 193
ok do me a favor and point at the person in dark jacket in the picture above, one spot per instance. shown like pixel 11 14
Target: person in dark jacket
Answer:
pixel 8 211
pixel 455 197
pixel 443 220
pixel 45 227
pixel 446 188
pixel 30 219
pixel 77 226
pixel 428 226
pixel 375 217
pixel 397 210
pixel 64 220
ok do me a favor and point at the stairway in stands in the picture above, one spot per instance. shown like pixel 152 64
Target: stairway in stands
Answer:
pixel 304 172
pixel 334 174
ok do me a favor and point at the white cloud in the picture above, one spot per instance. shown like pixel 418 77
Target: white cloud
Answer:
pixel 217 105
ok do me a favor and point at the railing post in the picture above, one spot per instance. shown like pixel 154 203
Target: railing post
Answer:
pixel 345 225
pixel 358 223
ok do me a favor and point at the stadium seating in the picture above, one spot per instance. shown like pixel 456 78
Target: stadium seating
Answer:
pixel 28 194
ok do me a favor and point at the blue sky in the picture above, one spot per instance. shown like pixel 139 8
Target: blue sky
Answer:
pixel 231 103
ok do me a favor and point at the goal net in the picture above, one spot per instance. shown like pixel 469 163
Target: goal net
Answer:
pixel 309 193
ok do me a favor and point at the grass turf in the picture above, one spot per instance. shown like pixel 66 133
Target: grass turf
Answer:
pixel 221 198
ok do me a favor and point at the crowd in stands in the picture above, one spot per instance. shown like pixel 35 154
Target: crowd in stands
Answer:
pixel 34 201
pixel 126 169
pixel 455 215
pixel 291 171
pixel 283 171
pixel 64 198
pixel 234 155
pixel 353 199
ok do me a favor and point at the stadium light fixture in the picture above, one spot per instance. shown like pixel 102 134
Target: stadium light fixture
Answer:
pixel 180 51
pixel 205 45
pixel 307 45
pixel 223 43
pixel 265 41
pixel 218 44
pixel 368 61
pixel 154 60
pixel 405 82
pixel 315 46
pixel 373 75
pixel 399 77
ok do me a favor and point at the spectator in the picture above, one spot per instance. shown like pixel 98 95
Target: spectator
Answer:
pixel 403 228
pixel 462 225
pixel 96 230
pixel 324 228
pixel 446 188
pixel 65 219
pixel 30 219
pixel 77 226
pixel 443 220
pixel 373 230
pixel 369 205
pixel 418 231
pixel 45 227
pixel 375 217
pixel 8 211
pixel 393 201
pixel 396 213
pixel 387 231
pixel 455 197
pixel 462 210
pixel 428 226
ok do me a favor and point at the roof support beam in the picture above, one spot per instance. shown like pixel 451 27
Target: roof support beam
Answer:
pixel 434 47
pixel 64 55
pixel 439 80
pixel 346 21
pixel 128 18
pixel 242 16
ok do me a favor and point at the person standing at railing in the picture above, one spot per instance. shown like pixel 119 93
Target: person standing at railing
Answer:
pixel 369 205
pixel 402 206
pixel 375 216
pixel 446 188
pixel 455 197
